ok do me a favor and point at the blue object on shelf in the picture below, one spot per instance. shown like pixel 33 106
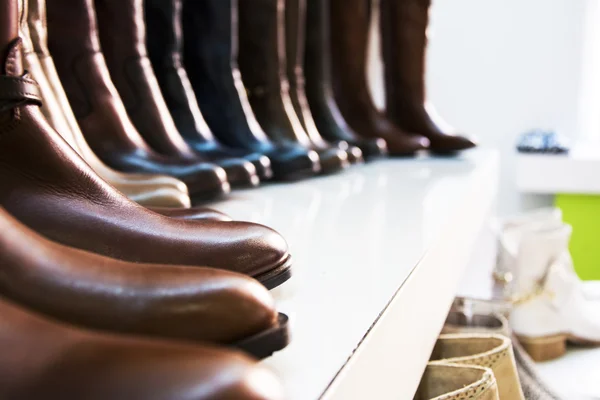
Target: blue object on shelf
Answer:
pixel 542 142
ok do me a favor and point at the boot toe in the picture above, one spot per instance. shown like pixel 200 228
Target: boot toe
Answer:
pixel 404 144
pixel 262 164
pixel 193 214
pixel 295 164
pixel 355 155
pixel 240 173
pixel 450 144
pixel 373 148
pixel 206 180
pixel 333 160
pixel 161 197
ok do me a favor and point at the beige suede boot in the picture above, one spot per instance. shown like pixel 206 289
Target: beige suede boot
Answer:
pixel 457 382
pixel 484 350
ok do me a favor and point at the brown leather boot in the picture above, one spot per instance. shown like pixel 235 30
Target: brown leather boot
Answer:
pixel 47 186
pixel 262 62
pixel 163 191
pixel 85 289
pixel 349 29
pixel 44 359
pixel 99 110
pixel 317 66
pixel 174 199
pixel 122 33
pixel 295 18
pixel 404 40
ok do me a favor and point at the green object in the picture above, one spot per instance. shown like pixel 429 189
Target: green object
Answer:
pixel 582 212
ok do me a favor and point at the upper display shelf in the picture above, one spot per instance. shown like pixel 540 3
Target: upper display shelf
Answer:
pixel 360 325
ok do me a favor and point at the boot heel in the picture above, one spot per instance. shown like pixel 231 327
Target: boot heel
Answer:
pixel 544 348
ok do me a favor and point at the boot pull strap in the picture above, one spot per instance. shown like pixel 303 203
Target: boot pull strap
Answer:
pixel 15 91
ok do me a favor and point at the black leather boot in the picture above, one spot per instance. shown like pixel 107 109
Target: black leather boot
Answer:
pixel 164 41
pixel 210 59
pixel 262 62
pixel 122 32
pixel 295 17
pixel 319 93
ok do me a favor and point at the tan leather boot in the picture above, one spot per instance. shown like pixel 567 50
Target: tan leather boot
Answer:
pixel 484 350
pixel 148 190
pixel 457 382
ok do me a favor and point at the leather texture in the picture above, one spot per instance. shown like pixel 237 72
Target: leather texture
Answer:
pixel 164 40
pixel 483 350
pixel 122 33
pixel 457 382
pixel 45 359
pixel 319 93
pixel 147 190
pixel 194 213
pixel 295 25
pixel 39 172
pixel 211 60
pixel 262 61
pixel 404 40
pixel 349 30
pixel 99 110
pixel 88 290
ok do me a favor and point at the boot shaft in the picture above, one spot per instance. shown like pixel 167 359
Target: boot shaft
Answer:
pixel 403 27
pixel 121 29
pixel 538 250
pixel 10 55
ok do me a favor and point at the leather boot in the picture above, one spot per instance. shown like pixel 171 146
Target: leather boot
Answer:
pixel 467 322
pixel 319 93
pixel 121 30
pixel 295 18
pixel 262 62
pixel 99 110
pixel 483 350
pixel 162 194
pixel 44 359
pixel 349 30
pixel 163 191
pixel 164 41
pixel 404 40
pixel 88 290
pixel 210 59
pixel 550 305
pixel 48 187
pixel 457 382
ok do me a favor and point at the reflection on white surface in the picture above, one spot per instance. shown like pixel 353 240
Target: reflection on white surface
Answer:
pixel 355 237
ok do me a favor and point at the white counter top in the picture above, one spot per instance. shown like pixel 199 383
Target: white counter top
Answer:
pixel 379 252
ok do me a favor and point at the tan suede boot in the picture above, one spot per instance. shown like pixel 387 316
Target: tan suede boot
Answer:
pixel 457 382
pixel 484 350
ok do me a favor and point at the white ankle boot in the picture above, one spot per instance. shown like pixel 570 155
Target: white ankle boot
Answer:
pixel 550 306
pixel 511 230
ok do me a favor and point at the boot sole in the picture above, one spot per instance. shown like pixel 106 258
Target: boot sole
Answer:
pixel 547 348
pixel 277 275
pixel 266 343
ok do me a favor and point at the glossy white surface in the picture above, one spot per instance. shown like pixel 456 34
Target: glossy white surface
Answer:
pixel 355 238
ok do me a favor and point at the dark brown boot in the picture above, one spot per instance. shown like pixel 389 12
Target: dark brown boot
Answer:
pixel 99 109
pixel 295 19
pixel 262 60
pixel 167 301
pixel 44 359
pixel 48 187
pixel 349 29
pixel 319 93
pixel 404 41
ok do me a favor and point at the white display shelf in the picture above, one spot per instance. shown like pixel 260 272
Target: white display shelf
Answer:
pixel 379 252
pixel 575 173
